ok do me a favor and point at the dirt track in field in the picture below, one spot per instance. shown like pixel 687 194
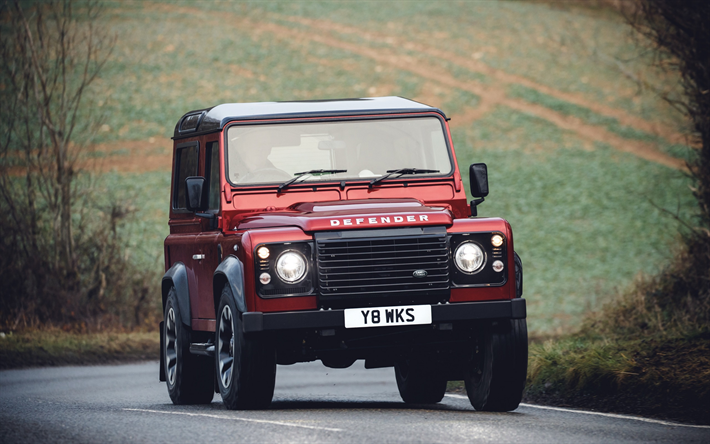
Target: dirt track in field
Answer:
pixel 135 156
pixel 425 64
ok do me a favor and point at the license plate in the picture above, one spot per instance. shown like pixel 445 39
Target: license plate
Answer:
pixel 387 316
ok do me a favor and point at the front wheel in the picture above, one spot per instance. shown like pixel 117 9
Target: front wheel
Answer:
pixel 496 374
pixel 419 382
pixel 246 366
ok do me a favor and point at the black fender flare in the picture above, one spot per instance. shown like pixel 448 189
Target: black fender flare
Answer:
pixel 518 275
pixel 230 271
pixel 176 277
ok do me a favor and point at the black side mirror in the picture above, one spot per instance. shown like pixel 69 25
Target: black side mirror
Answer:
pixel 196 193
pixel 478 174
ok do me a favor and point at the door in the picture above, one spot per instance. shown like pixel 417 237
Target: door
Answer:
pixel 206 246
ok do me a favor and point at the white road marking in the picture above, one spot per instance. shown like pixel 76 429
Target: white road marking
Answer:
pixel 263 421
pixel 608 415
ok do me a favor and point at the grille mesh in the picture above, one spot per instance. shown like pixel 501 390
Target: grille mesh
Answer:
pixel 382 266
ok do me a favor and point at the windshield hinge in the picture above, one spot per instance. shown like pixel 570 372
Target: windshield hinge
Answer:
pixel 227 193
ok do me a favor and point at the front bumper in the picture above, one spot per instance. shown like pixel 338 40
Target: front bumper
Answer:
pixel 461 311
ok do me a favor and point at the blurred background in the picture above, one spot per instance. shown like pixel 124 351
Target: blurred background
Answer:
pixel 586 159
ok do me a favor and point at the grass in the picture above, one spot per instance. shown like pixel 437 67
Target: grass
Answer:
pixel 50 347
pixel 152 86
pixel 662 376
pixel 459 101
pixel 586 221
pixel 612 124
pixel 554 46
pixel 158 71
pixel 588 116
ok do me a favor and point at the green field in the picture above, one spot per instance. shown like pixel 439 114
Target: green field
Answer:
pixel 585 214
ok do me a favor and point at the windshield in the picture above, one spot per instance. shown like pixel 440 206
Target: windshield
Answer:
pixel 366 149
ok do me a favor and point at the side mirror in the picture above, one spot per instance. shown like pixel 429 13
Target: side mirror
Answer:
pixel 478 174
pixel 196 193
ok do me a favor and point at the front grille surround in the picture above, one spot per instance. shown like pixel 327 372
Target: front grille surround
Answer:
pixel 376 267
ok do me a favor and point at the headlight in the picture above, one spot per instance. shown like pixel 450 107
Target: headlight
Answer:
pixel 469 257
pixel 291 267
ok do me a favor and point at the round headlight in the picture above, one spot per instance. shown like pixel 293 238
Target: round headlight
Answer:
pixel 469 257
pixel 291 267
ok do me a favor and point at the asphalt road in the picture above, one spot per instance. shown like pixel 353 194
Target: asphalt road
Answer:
pixel 312 403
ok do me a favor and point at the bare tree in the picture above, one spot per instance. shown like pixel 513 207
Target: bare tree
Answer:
pixel 679 31
pixel 51 53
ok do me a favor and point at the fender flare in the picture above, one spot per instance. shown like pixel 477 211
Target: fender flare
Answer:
pixel 230 271
pixel 176 277
pixel 518 275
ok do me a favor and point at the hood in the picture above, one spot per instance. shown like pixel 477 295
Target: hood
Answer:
pixel 350 214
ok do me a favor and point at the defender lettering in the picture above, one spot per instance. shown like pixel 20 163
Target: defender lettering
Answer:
pixel 381 220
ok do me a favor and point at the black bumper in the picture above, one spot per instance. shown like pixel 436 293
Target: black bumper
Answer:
pixel 461 311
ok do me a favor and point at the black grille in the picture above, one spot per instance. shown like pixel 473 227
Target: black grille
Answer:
pixel 381 264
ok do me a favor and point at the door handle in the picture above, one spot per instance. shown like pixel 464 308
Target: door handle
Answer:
pixel 198 257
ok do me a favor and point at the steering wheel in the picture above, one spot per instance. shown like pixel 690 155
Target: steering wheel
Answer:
pixel 266 175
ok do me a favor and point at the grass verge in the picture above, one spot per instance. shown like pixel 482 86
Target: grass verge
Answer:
pixel 665 377
pixel 52 347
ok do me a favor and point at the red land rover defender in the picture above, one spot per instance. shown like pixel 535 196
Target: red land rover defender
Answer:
pixel 335 230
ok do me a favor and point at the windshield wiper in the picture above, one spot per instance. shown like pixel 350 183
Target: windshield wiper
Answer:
pixel 303 175
pixel 400 172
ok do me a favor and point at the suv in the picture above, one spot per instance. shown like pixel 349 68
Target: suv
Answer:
pixel 335 230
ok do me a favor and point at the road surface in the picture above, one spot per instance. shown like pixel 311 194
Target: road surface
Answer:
pixel 312 403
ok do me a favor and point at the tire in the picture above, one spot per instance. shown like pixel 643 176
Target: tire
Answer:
pixel 190 378
pixel 496 375
pixel 419 383
pixel 246 366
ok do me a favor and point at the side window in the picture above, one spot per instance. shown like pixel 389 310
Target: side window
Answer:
pixel 212 172
pixel 185 166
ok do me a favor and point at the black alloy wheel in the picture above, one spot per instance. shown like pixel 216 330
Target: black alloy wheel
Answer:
pixel 190 378
pixel 246 365
pixel 225 346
